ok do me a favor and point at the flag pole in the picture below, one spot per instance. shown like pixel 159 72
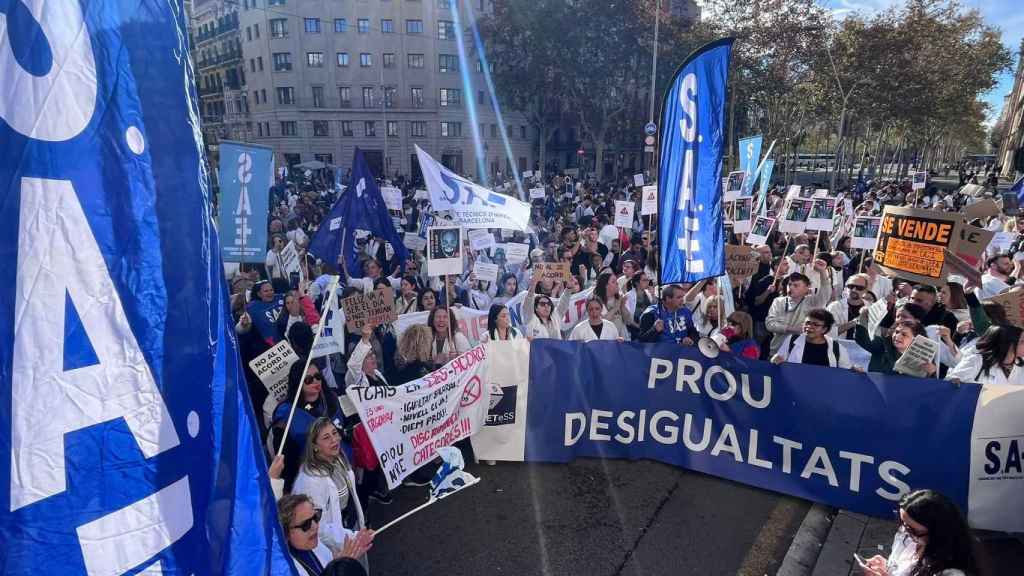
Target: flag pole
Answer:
pixel 421 507
pixel 331 293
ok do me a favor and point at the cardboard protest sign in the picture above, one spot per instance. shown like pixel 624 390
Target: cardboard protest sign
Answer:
pixel 742 214
pixel 377 307
pixel 822 214
pixel 414 241
pixel 624 213
pixel 920 181
pixel 972 242
pixel 795 216
pixel 734 185
pixel 444 250
pixel 649 202
pixel 485 271
pixel 865 232
pixel 516 253
pixel 981 209
pixel 638 180
pixel 740 262
pixel 553 271
pixel 392 198
pixel 1013 303
pixel 272 368
pixel 760 230
pixel 957 265
pixel 480 239
pixel 408 423
pixel 911 243
pixel 536 193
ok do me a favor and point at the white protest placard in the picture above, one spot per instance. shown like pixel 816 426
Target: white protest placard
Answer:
pixel 638 180
pixel 649 202
pixel 820 193
pixel 528 174
pixel 536 193
pixel 290 258
pixel 392 197
pixel 444 250
pixel 760 230
pixel 480 239
pixel 876 313
pixel 272 368
pixel 822 213
pixel 506 233
pixel 865 232
pixel 414 241
pixel 793 191
pixel 421 195
pixel 734 185
pixel 485 271
pixel 624 213
pixel 920 181
pixel 332 339
pixel 921 351
pixel 408 423
pixel 1001 242
pixel 743 215
pixel 795 215
pixel 515 253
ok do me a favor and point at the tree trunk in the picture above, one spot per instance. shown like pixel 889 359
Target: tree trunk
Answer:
pixel 839 142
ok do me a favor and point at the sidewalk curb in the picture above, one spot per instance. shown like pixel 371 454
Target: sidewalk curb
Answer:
pixel 810 537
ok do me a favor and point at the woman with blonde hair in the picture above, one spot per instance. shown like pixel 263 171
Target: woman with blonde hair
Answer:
pixel 415 358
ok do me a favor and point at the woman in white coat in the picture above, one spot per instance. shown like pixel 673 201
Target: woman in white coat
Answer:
pixel 543 318
pixel 327 478
pixel 997 359
pixel 300 521
pixel 445 348
pixel 594 327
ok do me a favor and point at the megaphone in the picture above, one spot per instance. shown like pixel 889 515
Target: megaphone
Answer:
pixel 708 347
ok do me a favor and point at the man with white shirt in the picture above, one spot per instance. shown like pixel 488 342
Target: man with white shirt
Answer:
pixel 997 278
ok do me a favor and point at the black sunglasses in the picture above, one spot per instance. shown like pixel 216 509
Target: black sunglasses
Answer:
pixel 312 377
pixel 856 287
pixel 308 524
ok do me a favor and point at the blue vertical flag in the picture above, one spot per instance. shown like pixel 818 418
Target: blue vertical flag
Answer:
pixel 690 228
pixel 127 438
pixel 750 157
pixel 246 173
pixel 361 207
pixel 766 182
pixel 1018 188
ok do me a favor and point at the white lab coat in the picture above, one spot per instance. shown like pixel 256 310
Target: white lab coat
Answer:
pixel 584 333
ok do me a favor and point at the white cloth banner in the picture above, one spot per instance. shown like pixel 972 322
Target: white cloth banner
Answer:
pixel 408 423
pixel 503 437
pixel 470 204
pixel 995 480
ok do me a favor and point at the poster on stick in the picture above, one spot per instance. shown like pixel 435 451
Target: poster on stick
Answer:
pixel 742 215
pixel 553 271
pixel 911 243
pixel 740 263
pixel 485 271
pixel 272 368
pixel 624 213
pixel 408 423
pixel 414 241
pixel 516 252
pixel 972 243
pixel 920 181
pixel 444 250
pixel 822 214
pixel 377 307
pixel 760 230
pixel 480 239
pixel 795 216
pixel 734 185
pixel 536 193
pixel 649 203
pixel 865 232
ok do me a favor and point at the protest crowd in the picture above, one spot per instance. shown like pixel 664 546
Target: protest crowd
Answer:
pixel 580 272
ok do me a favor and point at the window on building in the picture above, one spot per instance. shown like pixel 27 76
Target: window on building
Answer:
pixel 445 30
pixel 390 96
pixel 451 97
pixel 365 59
pixel 312 25
pixel 418 128
pixel 318 96
pixel 279 28
pixel 259 129
pixel 363 25
pixel 346 127
pixel 288 128
pixel 285 95
pixel 415 60
pixel 368 97
pixel 263 95
pixel 315 59
pixel 248 33
pixel 325 158
pixel 369 128
pixel 259 63
pixel 252 65
pixel 444 4
pixel 282 61
pixel 522 132
pixel 256 31
pixel 494 130
pixel 387 26
pixel 256 96
pixel 447 63
pixel 342 58
pixel 388 60
pixel 321 128
pixel 345 96
pixel 392 128
pixel 340 25
pixel 451 129
pixel 414 26
pixel 479 96
pixel 479 65
pixel 416 97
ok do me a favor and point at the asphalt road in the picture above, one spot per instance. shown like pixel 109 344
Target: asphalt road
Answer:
pixel 591 517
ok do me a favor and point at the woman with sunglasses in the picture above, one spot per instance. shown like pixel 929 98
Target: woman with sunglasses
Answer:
pixel 300 520
pixel 933 539
pixel 315 401
pixel 327 477
pixel 543 317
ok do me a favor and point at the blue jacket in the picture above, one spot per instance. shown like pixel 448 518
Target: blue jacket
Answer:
pixel 678 324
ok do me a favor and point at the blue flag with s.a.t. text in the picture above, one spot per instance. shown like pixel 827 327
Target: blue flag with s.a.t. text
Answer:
pixel 690 226
pixel 361 207
pixel 127 438
pixel 750 157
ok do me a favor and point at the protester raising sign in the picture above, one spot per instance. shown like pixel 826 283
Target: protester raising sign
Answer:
pixel 272 368
pixel 408 423
pixel 553 271
pixel 444 251
pixel 1013 303
pixel 649 204
pixel 911 243
pixel 822 213
pixel 760 230
pixel 485 271
pixel 375 308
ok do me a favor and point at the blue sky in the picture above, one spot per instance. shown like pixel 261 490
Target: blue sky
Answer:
pixel 1007 15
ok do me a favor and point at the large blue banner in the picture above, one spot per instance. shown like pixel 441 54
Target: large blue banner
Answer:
pixel 750 156
pixel 690 225
pixel 127 440
pixel 246 172
pixel 850 440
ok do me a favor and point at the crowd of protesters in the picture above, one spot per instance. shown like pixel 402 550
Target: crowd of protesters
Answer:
pixel 806 303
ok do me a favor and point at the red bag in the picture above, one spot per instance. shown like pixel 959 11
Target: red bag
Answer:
pixel 363 454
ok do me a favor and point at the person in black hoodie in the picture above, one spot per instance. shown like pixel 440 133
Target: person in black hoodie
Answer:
pixel 935 313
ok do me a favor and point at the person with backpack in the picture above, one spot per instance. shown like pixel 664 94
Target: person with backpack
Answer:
pixel 814 346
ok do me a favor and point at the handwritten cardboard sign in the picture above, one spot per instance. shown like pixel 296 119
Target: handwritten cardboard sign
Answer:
pixel 553 271
pixel 740 262
pixel 377 307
